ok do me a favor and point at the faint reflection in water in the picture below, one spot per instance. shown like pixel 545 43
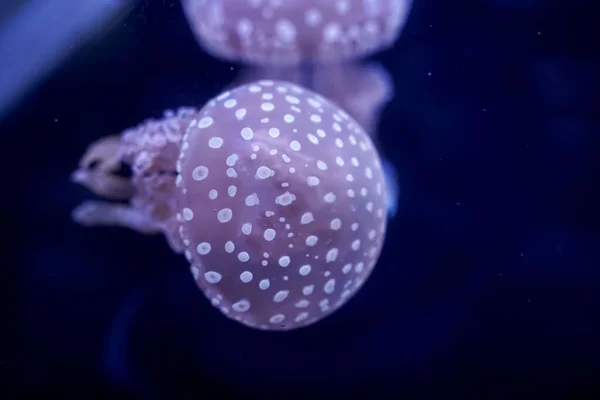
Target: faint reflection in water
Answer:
pixel 117 365
pixel 150 359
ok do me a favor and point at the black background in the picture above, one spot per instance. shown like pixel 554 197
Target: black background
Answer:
pixel 487 286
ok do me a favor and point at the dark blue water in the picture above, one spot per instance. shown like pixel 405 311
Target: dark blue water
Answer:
pixel 487 286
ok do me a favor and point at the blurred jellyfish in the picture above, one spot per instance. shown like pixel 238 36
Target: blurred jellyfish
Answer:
pixel 275 195
pixel 290 32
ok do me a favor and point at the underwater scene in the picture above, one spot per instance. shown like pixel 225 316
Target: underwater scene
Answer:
pixel 320 199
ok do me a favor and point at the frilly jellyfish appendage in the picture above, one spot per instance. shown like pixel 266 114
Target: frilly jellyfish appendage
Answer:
pixel 150 150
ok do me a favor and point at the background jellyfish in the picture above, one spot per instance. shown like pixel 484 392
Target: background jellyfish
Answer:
pixel 275 195
pixel 291 32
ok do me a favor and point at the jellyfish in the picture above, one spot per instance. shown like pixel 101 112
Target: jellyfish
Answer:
pixel 274 194
pixel 290 32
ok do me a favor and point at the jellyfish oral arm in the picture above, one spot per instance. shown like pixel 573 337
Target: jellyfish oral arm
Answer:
pixel 102 213
pixel 96 173
pixel 97 167
pixel 104 184
pixel 149 151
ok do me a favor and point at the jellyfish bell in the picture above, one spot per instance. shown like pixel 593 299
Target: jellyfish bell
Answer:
pixel 283 200
pixel 278 202
pixel 289 32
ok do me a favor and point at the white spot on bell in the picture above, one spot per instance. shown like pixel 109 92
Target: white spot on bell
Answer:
pixel 269 234
pixel 205 122
pixel 224 215
pixel 281 296
pixel 212 277
pixel 331 255
pixel 241 306
pixel 203 248
pixel 284 261
pixel 307 218
pixel 200 173
pixel 246 276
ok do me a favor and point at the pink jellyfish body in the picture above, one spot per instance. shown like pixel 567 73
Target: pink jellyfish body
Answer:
pixel 288 32
pixel 278 201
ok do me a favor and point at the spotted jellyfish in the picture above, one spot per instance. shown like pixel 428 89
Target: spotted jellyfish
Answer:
pixel 275 195
pixel 290 32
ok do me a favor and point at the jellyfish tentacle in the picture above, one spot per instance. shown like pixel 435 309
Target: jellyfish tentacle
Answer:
pixel 105 151
pixel 103 213
pixel 98 167
pixel 150 150
pixel 103 184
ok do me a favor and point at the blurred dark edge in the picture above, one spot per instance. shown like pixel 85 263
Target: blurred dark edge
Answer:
pixel 27 58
